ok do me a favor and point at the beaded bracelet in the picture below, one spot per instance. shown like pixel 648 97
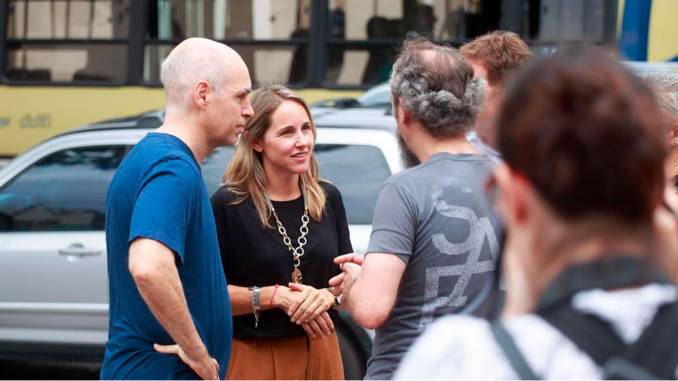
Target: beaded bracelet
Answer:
pixel 270 303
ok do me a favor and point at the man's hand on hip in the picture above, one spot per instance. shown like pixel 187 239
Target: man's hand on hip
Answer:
pixel 205 366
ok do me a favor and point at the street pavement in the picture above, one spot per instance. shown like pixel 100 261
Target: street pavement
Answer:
pixel 12 370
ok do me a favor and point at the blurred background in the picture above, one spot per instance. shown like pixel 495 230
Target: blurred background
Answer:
pixel 69 63
pixel 64 63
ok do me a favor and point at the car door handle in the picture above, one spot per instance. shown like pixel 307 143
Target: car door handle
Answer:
pixel 79 250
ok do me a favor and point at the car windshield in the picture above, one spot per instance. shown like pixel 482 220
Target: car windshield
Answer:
pixel 358 171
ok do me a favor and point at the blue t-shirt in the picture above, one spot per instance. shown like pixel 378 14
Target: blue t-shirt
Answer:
pixel 158 193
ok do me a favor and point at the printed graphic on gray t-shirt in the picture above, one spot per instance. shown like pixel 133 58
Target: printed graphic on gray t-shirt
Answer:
pixel 437 218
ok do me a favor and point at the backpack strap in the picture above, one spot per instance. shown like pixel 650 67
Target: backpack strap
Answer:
pixel 511 351
pixel 657 348
pixel 653 356
pixel 588 332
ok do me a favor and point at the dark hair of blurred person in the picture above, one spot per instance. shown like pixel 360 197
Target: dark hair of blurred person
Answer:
pixel 581 180
pixel 587 138
pixel 494 56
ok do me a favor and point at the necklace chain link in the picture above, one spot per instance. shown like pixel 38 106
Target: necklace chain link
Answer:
pixel 297 252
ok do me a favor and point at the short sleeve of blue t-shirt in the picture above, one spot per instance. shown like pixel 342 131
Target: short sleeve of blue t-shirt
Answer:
pixel 164 205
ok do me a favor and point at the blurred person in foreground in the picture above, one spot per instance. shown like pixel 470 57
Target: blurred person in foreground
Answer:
pixel 583 176
pixel 279 229
pixel 167 286
pixel 435 236
pixel 494 57
pixel 665 85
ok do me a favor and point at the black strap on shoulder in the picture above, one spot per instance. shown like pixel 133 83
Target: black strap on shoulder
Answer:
pixel 611 272
pixel 588 332
pixel 657 348
pixel 511 351
pixel 653 356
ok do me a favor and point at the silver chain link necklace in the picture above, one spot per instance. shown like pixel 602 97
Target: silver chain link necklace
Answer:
pixel 297 252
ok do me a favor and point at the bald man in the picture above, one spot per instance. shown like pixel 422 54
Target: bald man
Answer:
pixel 170 316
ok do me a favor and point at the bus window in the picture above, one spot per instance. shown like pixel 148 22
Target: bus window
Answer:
pixel 64 41
pixel 372 30
pixel 364 35
pixel 270 35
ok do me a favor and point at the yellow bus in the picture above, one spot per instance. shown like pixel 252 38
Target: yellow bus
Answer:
pixel 65 63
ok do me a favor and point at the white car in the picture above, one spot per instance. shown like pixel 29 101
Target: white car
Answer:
pixel 53 274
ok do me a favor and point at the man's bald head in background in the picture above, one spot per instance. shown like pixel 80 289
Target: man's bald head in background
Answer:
pixel 197 59
pixel 206 87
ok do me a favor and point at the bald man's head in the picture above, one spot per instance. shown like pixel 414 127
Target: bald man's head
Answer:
pixel 194 60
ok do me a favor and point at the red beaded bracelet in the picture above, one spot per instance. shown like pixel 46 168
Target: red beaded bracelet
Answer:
pixel 270 303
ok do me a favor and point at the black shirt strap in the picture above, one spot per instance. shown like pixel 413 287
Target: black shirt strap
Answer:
pixel 589 333
pixel 511 351
pixel 614 270
pixel 657 348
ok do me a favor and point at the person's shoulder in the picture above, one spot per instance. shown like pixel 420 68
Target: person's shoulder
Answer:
pixel 224 195
pixel 462 333
pixel 177 165
pixel 411 176
pixel 331 191
pixel 467 345
pixel 461 326
pixel 548 352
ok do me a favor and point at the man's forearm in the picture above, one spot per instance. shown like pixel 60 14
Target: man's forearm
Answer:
pixel 364 307
pixel 163 293
pixel 370 290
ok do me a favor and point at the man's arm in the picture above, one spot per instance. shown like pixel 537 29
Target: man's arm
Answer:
pixel 370 290
pixel 153 268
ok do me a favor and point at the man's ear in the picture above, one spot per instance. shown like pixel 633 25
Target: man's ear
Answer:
pixel 515 191
pixel 200 92
pixel 674 135
pixel 402 114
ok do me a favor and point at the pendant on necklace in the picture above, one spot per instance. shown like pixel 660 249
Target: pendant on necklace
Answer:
pixel 296 276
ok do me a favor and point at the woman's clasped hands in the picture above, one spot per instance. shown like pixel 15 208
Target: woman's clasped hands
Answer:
pixel 307 306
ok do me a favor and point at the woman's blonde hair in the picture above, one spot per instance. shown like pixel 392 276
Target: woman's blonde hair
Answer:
pixel 245 174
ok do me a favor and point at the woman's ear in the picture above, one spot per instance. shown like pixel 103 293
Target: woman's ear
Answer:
pixel 256 145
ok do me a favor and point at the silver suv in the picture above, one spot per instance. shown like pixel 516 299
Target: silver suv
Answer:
pixel 53 276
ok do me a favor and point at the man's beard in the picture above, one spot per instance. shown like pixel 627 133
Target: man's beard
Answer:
pixel 408 158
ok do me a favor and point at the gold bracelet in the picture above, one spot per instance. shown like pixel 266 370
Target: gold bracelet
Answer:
pixel 337 300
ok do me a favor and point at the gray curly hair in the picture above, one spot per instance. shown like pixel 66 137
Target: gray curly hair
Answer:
pixel 436 84
pixel 665 85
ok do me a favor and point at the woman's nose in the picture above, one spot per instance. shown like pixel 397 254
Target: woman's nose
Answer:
pixel 302 138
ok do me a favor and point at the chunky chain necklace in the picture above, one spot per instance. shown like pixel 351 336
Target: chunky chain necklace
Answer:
pixel 297 252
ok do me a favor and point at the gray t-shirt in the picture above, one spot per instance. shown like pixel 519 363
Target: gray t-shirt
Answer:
pixel 437 218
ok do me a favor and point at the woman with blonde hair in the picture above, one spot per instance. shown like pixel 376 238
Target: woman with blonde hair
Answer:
pixel 279 229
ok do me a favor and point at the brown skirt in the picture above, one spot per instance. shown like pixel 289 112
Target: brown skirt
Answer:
pixel 298 358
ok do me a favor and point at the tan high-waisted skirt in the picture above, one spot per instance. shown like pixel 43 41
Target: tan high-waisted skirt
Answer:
pixel 300 358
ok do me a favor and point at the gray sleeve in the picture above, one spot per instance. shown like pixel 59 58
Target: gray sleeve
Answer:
pixel 393 224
